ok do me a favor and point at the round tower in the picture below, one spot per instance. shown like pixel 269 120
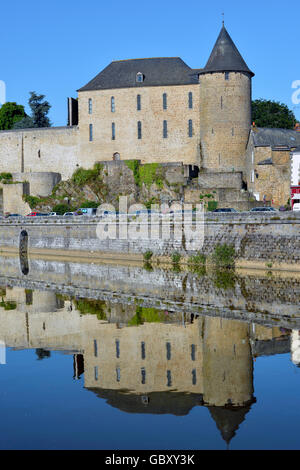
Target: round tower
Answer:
pixel 225 107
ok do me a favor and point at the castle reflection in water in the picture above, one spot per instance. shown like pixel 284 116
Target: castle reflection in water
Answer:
pixel 148 360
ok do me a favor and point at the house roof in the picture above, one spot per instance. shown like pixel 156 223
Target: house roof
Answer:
pixel 225 56
pixel 275 138
pixel 156 71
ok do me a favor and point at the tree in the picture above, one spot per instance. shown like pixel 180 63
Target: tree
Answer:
pixel 267 113
pixel 10 113
pixel 39 111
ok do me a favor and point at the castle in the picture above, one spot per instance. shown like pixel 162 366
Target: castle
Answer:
pixel 161 110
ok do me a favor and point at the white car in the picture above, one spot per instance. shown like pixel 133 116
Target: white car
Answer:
pixel 296 206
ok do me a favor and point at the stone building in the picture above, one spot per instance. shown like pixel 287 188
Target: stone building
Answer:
pixel 161 110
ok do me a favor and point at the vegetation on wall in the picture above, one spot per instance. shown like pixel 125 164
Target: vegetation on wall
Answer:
pixel 149 315
pixel 147 174
pixel 223 255
pixel 81 176
pixel 92 307
pixel 5 177
pixel 267 113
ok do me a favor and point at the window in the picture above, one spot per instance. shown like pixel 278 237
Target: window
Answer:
pixel 113 131
pixel 190 128
pixel 138 102
pixel 95 348
pixel 226 75
pixel 117 348
pixel 190 100
pixel 194 377
pixel 168 346
pixel 91 132
pixel 143 373
pixel 143 350
pixel 90 106
pixel 139 129
pixel 169 378
pixel 164 100
pixel 96 372
pixel 165 129
pixel 193 352
pixel 139 77
pixel 112 104
pixel 118 374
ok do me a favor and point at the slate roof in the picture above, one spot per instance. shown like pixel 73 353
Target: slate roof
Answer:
pixel 161 71
pixel 225 56
pixel 275 138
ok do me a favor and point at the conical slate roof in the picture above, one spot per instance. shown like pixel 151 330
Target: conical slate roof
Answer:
pixel 225 56
pixel 228 420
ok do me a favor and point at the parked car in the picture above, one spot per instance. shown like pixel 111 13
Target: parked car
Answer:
pixel 296 206
pixel 14 215
pixel 263 209
pixel 37 214
pixel 90 211
pixel 226 209
pixel 69 214
pixel 52 214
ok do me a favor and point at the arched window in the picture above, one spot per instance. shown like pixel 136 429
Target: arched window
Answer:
pixel 113 131
pixel 190 100
pixel 91 132
pixel 138 102
pixel 112 104
pixel 90 106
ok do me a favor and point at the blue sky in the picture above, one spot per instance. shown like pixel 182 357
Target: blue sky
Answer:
pixel 56 47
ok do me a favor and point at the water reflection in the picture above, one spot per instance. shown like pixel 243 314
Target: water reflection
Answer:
pixel 148 360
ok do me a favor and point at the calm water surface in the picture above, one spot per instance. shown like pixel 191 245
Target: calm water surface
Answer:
pixel 92 373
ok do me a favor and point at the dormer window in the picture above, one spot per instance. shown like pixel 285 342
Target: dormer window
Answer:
pixel 139 77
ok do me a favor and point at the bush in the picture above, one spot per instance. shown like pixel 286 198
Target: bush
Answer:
pixel 60 209
pixel 212 205
pixel 197 260
pixel 81 176
pixel 91 204
pixel 176 257
pixel 5 176
pixel 224 255
pixel 148 255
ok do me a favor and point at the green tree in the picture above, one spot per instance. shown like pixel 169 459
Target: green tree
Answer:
pixel 10 113
pixel 39 110
pixel 267 113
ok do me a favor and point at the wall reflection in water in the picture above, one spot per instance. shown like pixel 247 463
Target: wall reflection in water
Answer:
pixel 144 360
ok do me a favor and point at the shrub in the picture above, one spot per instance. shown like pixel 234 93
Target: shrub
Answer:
pixel 91 204
pixel 212 205
pixel 176 257
pixel 60 209
pixel 224 279
pixel 5 176
pixel 81 176
pixel 224 255
pixel 197 260
pixel 148 255
pixel 33 201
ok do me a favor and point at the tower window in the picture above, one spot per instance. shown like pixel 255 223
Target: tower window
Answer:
pixel 139 129
pixel 112 104
pixel 139 77
pixel 168 346
pixel 190 128
pixel 90 106
pixel 169 378
pixel 165 129
pixel 143 373
pixel 226 75
pixel 91 132
pixel 113 131
pixel 138 102
pixel 193 352
pixel 117 348
pixel 194 377
pixel 190 100
pixel 96 372
pixel 118 374
pixel 143 350
pixel 164 100
pixel 95 348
